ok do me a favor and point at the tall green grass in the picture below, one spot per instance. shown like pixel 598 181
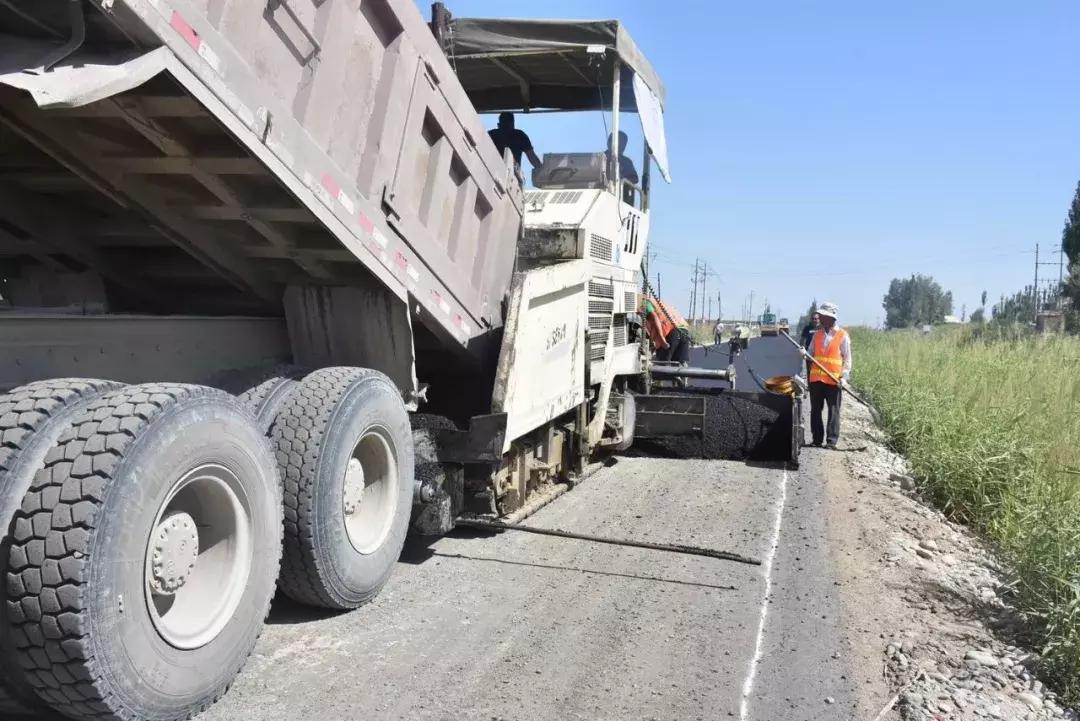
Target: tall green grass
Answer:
pixel 991 426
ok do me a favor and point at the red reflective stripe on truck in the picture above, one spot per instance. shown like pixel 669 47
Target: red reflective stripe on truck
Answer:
pixel 443 305
pixel 365 223
pixel 331 186
pixel 186 31
pixel 327 181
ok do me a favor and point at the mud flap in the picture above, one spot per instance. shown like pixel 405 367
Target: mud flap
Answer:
pixel 720 424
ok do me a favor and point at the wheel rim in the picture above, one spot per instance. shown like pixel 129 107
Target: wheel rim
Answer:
pixel 369 497
pixel 198 556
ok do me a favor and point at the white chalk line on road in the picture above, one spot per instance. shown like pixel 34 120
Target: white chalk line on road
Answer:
pixel 774 543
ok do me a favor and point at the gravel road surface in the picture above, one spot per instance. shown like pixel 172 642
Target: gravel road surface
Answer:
pixel 518 626
pixel 515 626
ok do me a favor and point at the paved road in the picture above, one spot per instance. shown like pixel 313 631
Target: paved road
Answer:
pixel 771 356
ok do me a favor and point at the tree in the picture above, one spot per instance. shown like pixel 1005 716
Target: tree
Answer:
pixel 916 301
pixel 978 316
pixel 1017 308
pixel 1070 243
pixel 805 317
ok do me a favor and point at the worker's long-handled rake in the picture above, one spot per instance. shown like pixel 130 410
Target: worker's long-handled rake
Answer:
pixel 839 381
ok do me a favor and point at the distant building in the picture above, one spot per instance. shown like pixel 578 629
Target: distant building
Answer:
pixel 1050 321
pixel 952 320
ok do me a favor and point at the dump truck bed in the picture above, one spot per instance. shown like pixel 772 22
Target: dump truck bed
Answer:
pixel 203 156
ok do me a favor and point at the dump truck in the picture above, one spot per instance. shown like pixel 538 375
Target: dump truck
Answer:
pixel 272 299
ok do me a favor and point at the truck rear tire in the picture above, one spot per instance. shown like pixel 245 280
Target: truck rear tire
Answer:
pixel 345 450
pixel 31 418
pixel 144 555
pixel 266 396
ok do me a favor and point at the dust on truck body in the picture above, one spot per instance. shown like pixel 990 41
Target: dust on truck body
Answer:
pixel 268 297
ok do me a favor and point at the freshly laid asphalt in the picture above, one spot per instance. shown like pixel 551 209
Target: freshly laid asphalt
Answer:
pixel 769 356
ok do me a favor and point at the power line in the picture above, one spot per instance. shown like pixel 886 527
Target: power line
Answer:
pixel 886 266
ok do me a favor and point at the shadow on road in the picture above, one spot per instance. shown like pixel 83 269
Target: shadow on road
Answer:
pixel 573 569
pixel 285 611
pixel 418 549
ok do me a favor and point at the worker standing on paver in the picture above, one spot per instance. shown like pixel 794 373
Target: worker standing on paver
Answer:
pixel 507 136
pixel 831 347
pixel 668 331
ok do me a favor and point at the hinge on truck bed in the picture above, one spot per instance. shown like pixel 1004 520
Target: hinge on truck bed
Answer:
pixel 388 197
pixel 313 54
pixel 78 37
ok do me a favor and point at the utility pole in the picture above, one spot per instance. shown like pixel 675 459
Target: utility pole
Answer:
pixel 697 290
pixel 1035 288
pixel 1048 293
pixel 693 289
pixel 704 295
pixel 704 272
pixel 719 307
pixel 710 309
pixel 750 311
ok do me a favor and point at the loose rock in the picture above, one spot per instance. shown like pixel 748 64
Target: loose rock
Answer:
pixel 982 658
pixel 1034 702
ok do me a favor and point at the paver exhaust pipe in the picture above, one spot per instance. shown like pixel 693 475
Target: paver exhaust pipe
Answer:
pixel 662 371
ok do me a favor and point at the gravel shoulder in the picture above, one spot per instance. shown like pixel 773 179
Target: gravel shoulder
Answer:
pixel 927 603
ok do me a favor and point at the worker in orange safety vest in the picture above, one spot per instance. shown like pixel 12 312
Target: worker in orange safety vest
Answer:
pixel 668 331
pixel 831 347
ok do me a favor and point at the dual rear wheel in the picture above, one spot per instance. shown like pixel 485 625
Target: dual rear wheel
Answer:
pixel 144 526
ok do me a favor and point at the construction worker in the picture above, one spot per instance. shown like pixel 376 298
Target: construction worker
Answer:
pixel 831 347
pixel 808 336
pixel 507 136
pixel 626 169
pixel 668 331
pixel 735 343
pixel 718 332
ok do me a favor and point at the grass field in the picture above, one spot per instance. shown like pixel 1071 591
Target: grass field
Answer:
pixel 991 427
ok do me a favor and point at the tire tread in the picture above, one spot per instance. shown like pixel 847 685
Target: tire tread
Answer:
pixel 297 435
pixel 24 411
pixel 47 570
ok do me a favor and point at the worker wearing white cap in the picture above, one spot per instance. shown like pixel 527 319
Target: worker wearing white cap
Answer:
pixel 831 347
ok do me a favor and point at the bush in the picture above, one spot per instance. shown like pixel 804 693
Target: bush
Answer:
pixel 990 422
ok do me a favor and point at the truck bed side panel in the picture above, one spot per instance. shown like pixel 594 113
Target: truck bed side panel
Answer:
pixel 370 88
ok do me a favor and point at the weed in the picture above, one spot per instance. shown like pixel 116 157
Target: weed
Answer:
pixel 991 426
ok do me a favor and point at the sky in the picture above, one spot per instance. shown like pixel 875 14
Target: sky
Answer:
pixel 818 150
